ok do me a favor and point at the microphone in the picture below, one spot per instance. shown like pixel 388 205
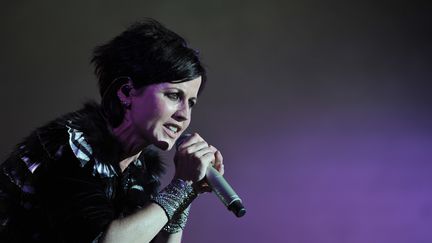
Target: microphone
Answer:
pixel 220 186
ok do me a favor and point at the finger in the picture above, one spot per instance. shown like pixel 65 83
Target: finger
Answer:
pixel 219 159
pixel 203 151
pixel 196 147
pixel 219 163
pixel 207 158
pixel 213 147
pixel 190 140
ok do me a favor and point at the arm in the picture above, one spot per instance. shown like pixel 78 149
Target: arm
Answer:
pixel 173 201
pixel 195 153
pixel 141 226
pixel 80 210
pixel 164 237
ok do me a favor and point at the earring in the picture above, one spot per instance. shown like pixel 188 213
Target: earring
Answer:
pixel 126 104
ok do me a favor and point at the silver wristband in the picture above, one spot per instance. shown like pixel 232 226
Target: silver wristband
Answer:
pixel 178 222
pixel 175 198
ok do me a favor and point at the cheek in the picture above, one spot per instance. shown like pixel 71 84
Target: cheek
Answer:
pixel 158 111
pixel 186 123
pixel 143 114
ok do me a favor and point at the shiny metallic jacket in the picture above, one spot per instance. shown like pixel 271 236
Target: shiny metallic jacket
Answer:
pixel 63 182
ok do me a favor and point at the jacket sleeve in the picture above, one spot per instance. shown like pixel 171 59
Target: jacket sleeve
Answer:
pixel 76 201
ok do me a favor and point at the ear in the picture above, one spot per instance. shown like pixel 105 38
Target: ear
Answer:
pixel 124 93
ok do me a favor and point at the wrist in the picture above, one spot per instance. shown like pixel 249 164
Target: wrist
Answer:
pixel 178 222
pixel 188 182
pixel 175 197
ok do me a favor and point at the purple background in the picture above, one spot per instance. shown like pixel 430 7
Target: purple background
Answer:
pixel 322 109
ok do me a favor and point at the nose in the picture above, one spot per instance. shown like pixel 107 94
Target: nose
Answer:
pixel 182 113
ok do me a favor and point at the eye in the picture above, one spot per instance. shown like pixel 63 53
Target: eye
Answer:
pixel 177 96
pixel 173 96
pixel 191 103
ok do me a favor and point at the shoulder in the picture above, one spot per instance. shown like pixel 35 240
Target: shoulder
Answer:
pixel 46 144
pixel 81 138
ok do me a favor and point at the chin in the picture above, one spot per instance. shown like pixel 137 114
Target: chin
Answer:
pixel 169 146
pixel 164 145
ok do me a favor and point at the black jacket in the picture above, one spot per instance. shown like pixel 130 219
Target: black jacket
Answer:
pixel 63 182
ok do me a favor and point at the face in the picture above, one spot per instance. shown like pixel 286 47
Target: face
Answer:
pixel 159 113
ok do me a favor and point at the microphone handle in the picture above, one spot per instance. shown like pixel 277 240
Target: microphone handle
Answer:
pixel 225 192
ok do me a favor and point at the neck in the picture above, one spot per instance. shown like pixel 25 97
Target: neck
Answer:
pixel 132 144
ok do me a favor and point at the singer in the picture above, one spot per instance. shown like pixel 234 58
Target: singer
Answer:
pixel 91 175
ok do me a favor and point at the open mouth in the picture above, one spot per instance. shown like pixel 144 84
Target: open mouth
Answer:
pixel 172 129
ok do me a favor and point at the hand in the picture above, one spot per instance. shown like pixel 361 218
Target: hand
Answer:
pixel 202 185
pixel 193 158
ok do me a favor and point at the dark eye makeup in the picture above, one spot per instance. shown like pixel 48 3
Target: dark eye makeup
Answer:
pixel 175 96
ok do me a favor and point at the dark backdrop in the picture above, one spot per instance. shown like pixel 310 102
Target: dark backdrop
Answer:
pixel 322 109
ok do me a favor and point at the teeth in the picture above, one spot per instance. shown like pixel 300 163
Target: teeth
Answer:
pixel 172 128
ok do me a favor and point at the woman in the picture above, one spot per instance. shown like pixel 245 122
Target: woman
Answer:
pixel 91 175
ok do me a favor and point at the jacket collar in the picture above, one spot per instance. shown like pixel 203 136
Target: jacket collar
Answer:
pixel 90 121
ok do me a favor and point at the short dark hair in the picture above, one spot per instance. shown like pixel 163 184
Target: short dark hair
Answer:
pixel 147 53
